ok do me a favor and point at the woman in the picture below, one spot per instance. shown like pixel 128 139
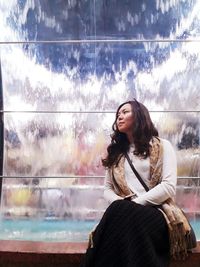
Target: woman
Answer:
pixel 133 231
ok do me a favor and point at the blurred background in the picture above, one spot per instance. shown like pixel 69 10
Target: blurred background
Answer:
pixel 66 65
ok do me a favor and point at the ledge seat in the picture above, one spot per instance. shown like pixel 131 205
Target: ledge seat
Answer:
pixel 60 254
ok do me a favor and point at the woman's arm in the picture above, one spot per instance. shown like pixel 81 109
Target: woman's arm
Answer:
pixel 167 188
pixel 109 194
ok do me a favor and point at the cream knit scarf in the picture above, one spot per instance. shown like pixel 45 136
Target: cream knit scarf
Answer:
pixel 117 173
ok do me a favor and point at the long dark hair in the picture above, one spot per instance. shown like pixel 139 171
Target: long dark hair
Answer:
pixel 143 131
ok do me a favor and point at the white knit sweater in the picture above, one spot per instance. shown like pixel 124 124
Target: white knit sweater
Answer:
pixel 158 194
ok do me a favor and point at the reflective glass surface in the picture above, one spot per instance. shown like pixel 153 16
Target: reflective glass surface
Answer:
pixel 98 19
pixel 73 143
pixel 82 77
pixel 66 66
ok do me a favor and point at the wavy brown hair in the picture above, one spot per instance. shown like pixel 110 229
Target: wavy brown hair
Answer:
pixel 143 131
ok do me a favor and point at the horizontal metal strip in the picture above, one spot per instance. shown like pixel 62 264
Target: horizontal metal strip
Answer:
pixel 101 41
pixel 194 188
pixel 21 186
pixel 79 176
pixel 93 111
pixel 53 177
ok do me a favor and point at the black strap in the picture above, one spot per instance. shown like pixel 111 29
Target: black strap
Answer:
pixel 136 173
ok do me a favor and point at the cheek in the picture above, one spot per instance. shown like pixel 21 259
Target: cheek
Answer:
pixel 128 123
pixel 130 119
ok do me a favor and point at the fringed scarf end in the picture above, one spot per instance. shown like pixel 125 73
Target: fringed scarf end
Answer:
pixel 178 246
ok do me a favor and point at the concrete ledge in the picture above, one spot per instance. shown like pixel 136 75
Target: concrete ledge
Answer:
pixel 60 254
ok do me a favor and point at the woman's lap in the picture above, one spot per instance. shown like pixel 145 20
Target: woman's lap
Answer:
pixel 132 235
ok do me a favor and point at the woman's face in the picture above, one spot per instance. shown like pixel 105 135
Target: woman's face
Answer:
pixel 125 119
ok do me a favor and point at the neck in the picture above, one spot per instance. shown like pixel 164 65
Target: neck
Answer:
pixel 130 138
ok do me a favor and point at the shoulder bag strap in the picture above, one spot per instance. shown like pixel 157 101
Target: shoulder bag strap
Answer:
pixel 136 173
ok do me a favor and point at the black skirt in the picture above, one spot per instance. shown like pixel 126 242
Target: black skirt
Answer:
pixel 129 235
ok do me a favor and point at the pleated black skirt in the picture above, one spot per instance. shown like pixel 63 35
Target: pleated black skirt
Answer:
pixel 129 235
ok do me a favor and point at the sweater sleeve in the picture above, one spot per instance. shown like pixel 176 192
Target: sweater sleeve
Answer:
pixel 109 194
pixel 167 188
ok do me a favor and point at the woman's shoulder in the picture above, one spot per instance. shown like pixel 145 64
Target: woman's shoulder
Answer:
pixel 165 142
pixel 167 145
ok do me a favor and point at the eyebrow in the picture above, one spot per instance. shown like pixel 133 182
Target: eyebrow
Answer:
pixel 124 109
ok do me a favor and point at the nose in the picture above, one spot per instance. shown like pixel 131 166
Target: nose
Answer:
pixel 120 117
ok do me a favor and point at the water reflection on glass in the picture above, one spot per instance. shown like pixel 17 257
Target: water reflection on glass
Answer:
pixel 68 93
pixel 89 77
pixel 43 198
pixel 74 143
pixel 90 19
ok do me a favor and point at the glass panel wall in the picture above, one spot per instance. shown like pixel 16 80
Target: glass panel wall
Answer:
pixel 66 66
